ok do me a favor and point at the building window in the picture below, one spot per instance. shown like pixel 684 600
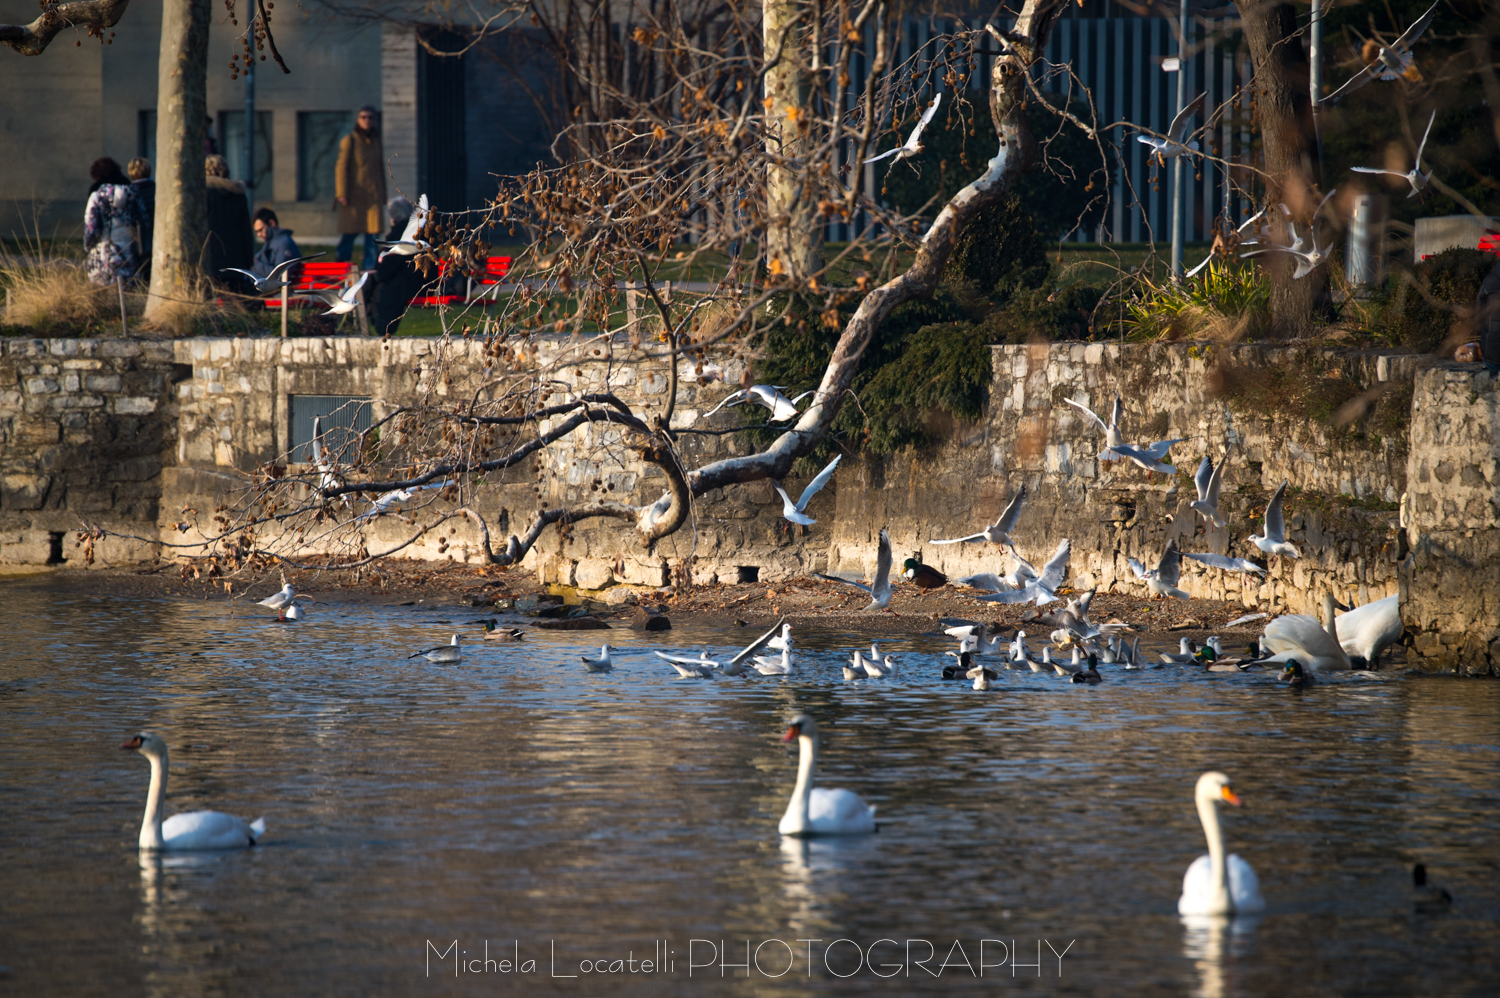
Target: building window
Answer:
pixel 232 145
pixel 344 417
pixel 145 134
pixel 318 134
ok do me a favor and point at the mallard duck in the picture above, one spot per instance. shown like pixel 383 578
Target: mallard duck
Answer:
pixel 1209 653
pixel 962 669
pixel 1296 678
pixel 494 633
pixel 925 576
pixel 1091 674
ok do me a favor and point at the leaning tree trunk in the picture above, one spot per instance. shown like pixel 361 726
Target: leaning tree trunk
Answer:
pixel 1284 108
pixel 794 231
pixel 181 190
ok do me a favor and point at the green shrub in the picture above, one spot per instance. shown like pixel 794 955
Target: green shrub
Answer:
pixel 1422 307
pixel 1000 250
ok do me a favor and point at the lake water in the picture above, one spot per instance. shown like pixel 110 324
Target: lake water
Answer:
pixel 514 801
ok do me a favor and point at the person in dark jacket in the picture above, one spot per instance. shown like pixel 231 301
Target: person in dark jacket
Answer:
pixel 396 279
pixel 277 245
pixel 229 240
pixel 139 171
pixel 1487 319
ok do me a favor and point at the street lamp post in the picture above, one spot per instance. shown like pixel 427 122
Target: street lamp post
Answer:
pixel 1177 199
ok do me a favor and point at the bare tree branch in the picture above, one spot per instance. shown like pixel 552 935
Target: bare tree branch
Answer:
pixel 97 16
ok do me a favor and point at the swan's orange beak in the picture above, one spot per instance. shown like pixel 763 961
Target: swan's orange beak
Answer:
pixel 792 732
pixel 133 743
pixel 1230 796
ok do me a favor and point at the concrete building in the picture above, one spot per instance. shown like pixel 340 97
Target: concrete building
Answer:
pixel 449 125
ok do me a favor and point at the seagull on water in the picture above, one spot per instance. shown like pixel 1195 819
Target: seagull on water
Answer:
pixel 601 664
pixel 449 652
pixel 913 146
pixel 701 667
pixel 279 601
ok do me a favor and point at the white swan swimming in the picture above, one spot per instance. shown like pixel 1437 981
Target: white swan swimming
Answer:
pixel 1369 630
pixel 193 830
pixel 817 811
pixel 1298 636
pixel 1217 884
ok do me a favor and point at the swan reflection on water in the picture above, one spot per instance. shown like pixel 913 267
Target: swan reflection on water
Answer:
pixel 1208 939
pixel 813 874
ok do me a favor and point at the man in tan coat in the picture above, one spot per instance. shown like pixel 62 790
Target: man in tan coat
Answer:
pixel 359 185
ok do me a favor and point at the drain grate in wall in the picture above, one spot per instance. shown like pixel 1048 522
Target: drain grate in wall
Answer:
pixel 344 418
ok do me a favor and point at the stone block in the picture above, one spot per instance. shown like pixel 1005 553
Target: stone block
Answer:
pixel 41 386
pixel 24 491
pixel 593 573
pixel 102 382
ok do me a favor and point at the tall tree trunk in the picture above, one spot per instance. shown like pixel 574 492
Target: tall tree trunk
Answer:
pixel 1284 107
pixel 794 231
pixel 181 192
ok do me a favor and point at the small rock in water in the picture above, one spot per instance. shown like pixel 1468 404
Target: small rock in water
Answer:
pixel 573 624
pixel 645 620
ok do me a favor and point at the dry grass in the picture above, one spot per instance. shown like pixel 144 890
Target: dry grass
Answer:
pixel 48 294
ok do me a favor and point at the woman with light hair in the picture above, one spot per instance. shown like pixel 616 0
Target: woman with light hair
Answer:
pixel 230 243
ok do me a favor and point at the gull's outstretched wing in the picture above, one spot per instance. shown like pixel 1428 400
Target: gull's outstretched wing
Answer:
pixel 1053 571
pixel 883 560
pixel 847 582
pixel 1410 35
pixel 1103 427
pixel 1169 569
pixel 737 393
pixel 1177 130
pixel 236 270
pixel 818 483
pixel 1007 521
pixel 959 540
pixel 1417 163
pixel 1275 521
pixel 758 643
pixel 916 133
pixel 416 221
pixel 1359 79
pixel 1203 478
pixel 1225 562
pixel 1138 569
pixel 353 290
pixel 1145 460
pixel 884 155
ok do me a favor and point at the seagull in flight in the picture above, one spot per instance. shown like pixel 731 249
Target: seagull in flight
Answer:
pixel 880 590
pixel 999 531
pixel 326 477
pixel 913 145
pixel 1043 587
pixel 1174 144
pixel 341 302
pixel 1208 481
pixel 273 280
pixel 409 244
pixel 1388 62
pixel 1415 177
pixel 1112 436
pixel 1308 260
pixel 1162 580
pixel 767 395
pixel 797 511
pixel 1243 226
pixel 1274 541
pixel 1227 563
pixel 384 503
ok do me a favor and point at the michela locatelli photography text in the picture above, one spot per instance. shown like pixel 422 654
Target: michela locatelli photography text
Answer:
pixel 765 958
pixel 777 497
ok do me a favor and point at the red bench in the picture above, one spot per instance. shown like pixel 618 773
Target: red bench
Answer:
pixel 319 276
pixel 495 269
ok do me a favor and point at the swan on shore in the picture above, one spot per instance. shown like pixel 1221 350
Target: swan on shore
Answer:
pixel 1367 631
pixel 818 811
pixel 1217 884
pixel 191 830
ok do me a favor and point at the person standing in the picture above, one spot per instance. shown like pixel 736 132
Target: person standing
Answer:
pixel 112 223
pixel 359 187
pixel 229 241
pixel 139 171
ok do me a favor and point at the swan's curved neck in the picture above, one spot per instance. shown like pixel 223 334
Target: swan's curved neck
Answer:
pixel 151 822
pixel 807 762
pixel 1208 813
pixel 1328 623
